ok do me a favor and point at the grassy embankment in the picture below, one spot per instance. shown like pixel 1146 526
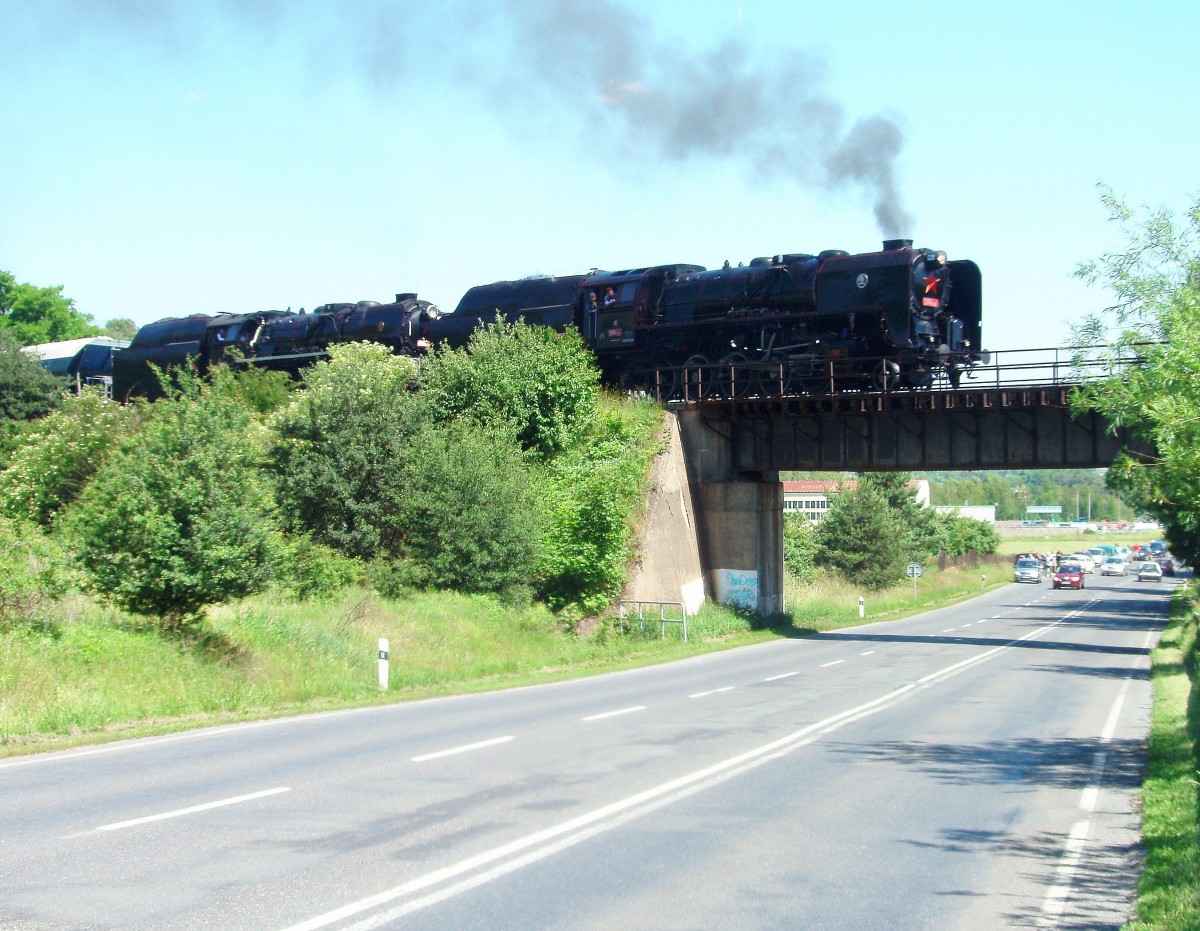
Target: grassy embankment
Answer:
pixel 93 674
pixel 1169 890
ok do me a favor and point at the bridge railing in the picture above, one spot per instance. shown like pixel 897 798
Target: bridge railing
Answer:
pixel 738 377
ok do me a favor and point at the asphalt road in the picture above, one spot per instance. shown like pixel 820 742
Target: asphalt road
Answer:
pixel 973 767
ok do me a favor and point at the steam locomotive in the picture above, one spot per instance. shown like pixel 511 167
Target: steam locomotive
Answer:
pixel 271 338
pixel 790 323
pixel 787 324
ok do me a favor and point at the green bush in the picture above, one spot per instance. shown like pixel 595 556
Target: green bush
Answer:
pixel 539 386
pixel 60 455
pixel 593 494
pixel 799 547
pixel 33 571
pixel 472 512
pixel 312 572
pixel 26 389
pixel 341 448
pixel 180 518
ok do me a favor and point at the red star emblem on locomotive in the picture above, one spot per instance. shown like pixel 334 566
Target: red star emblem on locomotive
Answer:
pixel 931 284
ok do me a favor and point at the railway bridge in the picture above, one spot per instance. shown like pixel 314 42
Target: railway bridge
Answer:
pixel 1014 413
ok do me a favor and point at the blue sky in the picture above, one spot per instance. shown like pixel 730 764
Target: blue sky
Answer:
pixel 164 157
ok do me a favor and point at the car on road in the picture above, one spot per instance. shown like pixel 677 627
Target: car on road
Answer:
pixel 1069 575
pixel 1167 566
pixel 1028 570
pixel 1149 572
pixel 1083 561
pixel 1114 565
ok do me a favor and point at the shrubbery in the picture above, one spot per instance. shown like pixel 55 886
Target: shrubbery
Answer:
pixel 33 571
pixel 59 456
pixel 539 386
pixel 181 518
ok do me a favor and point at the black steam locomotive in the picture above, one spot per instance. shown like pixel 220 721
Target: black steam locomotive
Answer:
pixel 790 324
pixel 271 338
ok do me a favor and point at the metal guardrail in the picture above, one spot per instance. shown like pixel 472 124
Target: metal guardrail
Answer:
pixel 662 618
pixel 1014 368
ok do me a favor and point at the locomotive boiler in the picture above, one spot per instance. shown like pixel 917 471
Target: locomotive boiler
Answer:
pixel 792 323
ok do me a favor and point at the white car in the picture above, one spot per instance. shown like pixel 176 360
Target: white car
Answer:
pixel 1114 565
pixel 1149 572
pixel 1084 561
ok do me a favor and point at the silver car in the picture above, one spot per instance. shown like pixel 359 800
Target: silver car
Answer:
pixel 1149 572
pixel 1027 570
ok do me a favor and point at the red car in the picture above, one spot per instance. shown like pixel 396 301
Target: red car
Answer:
pixel 1069 575
pixel 1167 566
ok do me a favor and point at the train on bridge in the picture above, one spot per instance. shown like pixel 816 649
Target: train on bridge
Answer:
pixel 900 317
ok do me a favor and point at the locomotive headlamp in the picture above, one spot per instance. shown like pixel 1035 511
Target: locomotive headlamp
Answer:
pixel 937 258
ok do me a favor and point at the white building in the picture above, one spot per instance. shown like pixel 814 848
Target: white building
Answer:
pixel 984 512
pixel 811 498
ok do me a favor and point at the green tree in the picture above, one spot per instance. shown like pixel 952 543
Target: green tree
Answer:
pixel 539 386
pixel 1156 281
pixel 181 517
pixel 26 389
pixel 342 447
pixel 861 539
pixel 36 315
pixel 799 547
pixel 121 328
pixel 471 518
pixel 916 522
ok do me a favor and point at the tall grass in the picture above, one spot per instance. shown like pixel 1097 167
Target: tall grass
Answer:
pixel 96 673
pixel 830 602
pixel 1169 890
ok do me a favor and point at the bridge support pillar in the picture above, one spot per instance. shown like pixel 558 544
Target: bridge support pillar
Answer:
pixel 739 520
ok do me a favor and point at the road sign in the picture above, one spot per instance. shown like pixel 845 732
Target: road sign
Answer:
pixel 914 570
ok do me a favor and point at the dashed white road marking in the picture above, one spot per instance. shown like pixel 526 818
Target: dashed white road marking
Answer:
pixel 834 663
pixel 782 675
pixel 465 748
pixel 207 806
pixel 613 714
pixel 868 653
pixel 727 688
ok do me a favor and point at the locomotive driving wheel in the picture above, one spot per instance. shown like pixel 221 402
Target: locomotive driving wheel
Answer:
pixel 735 378
pixel 886 376
pixel 697 378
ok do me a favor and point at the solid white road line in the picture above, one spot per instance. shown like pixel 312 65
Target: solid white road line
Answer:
pixel 613 714
pixel 465 748
pixel 207 806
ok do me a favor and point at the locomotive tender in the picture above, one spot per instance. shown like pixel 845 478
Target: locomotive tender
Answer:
pixel 789 324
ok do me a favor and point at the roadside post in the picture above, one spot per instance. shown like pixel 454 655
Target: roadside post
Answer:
pixel 383 664
pixel 862 606
pixel 914 573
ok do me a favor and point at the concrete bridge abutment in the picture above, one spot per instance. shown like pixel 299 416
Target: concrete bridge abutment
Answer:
pixel 738 519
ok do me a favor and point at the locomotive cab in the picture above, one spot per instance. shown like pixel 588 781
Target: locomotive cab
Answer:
pixel 616 304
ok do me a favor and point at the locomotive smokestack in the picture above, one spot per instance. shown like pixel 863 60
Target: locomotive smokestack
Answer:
pixel 891 244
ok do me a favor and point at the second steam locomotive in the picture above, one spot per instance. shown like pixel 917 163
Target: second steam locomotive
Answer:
pixel 787 324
